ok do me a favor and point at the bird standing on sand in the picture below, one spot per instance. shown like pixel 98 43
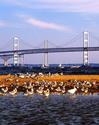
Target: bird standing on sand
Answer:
pixel 46 92
pixel 72 91
pixel 5 89
pixel 13 92
pixel 29 92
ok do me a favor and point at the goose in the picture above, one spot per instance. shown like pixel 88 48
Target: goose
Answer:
pixel 72 91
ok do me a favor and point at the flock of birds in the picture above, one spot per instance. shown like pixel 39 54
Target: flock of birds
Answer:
pixel 47 87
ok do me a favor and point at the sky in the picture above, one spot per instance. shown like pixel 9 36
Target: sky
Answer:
pixel 61 22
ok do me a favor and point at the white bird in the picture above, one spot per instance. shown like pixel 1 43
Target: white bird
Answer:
pixel 63 90
pixel 58 89
pixel 86 90
pixel 30 92
pixel 47 92
pixel 72 91
pixel 13 92
pixel 5 90
pixel 40 90
pixel 82 89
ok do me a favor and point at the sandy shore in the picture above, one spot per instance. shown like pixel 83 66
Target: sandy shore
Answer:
pixel 70 77
pixel 69 81
pixel 9 79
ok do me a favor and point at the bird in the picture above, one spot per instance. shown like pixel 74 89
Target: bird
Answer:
pixel 58 89
pixel 47 92
pixel 63 90
pixel 40 90
pixel 29 92
pixel 13 92
pixel 5 90
pixel 82 89
pixel 86 90
pixel 72 91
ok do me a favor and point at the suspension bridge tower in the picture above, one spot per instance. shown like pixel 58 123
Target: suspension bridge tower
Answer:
pixel 85 45
pixel 16 47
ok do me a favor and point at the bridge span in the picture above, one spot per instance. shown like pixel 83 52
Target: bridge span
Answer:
pixel 5 55
pixel 47 50
pixel 16 53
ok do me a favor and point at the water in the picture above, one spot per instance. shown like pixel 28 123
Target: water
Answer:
pixel 55 65
pixel 52 110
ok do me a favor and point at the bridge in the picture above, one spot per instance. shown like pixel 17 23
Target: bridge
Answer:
pixel 16 53
pixel 48 50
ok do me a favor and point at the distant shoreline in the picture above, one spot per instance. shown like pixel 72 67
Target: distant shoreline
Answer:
pixel 66 70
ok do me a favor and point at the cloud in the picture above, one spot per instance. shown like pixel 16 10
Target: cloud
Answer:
pixel 82 6
pixel 43 24
pixel 3 24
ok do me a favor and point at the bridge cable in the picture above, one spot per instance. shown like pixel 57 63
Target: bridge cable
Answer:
pixel 30 45
pixel 69 41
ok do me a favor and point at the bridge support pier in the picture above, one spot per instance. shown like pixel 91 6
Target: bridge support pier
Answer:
pixel 16 47
pixel 5 63
pixel 85 45
pixel 5 58
pixel 22 60
pixel 45 63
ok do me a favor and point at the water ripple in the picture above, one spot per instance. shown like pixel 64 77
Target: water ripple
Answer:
pixel 52 110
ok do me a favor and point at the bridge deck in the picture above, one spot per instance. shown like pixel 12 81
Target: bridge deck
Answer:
pixel 47 50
